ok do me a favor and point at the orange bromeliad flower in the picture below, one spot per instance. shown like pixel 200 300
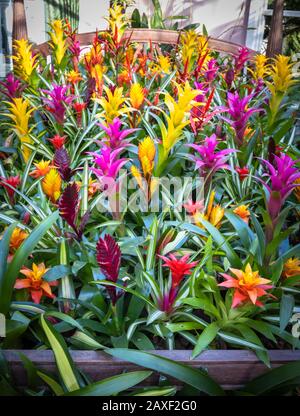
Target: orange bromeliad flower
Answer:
pixel 51 185
pixel 243 212
pixel 41 169
pixel 74 77
pixel 136 96
pixel 291 267
pixel 17 238
pixel 248 286
pixel 35 283
pixel 93 187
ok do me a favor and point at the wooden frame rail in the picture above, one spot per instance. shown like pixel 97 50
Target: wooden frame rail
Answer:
pixel 232 369
pixel 156 37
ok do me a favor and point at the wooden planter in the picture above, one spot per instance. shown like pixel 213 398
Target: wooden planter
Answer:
pixel 232 369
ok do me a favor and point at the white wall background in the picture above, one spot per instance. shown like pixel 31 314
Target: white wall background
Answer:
pixel 222 18
pixel 91 17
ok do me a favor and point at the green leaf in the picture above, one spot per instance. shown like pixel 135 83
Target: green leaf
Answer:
pixel 62 356
pixel 4 250
pixel 20 257
pixel 184 326
pixel 205 338
pixel 85 341
pixel 162 391
pixel 286 309
pixel 204 304
pixel 192 376
pixel 112 385
pixel 152 245
pixel 243 229
pixel 141 341
pixel 53 384
pixel 273 378
pixel 223 244
pixel 125 288
pixel 56 272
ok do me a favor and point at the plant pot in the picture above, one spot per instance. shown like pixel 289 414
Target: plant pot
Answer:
pixel 232 369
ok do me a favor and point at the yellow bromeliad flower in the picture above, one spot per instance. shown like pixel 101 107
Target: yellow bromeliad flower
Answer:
pixel 243 212
pixel 25 62
pixel 179 109
pixel 193 46
pixel 118 22
pixel 297 189
pixel 51 185
pixel 261 69
pixel 136 95
pixel 58 40
pixel 291 267
pixel 113 104
pixel 146 155
pixel 20 114
pixel 137 175
pixel 214 213
pixel 161 66
pixel 281 80
pixel 178 117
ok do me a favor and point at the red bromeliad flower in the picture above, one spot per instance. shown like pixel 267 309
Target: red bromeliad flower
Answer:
pixel 62 163
pixel 179 268
pixel 109 260
pixel 242 172
pixel 10 184
pixel 68 205
pixel 57 141
pixel 248 286
pixel 79 107
pixel 35 283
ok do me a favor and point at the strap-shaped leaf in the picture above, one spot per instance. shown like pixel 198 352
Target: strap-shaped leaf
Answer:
pixel 188 375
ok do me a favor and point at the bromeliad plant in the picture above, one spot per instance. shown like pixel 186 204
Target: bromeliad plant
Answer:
pixel 150 268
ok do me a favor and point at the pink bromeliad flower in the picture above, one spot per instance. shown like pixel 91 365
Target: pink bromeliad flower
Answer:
pixel 57 101
pixel 241 59
pixel 211 70
pixel 179 269
pixel 239 113
pixel 108 164
pixel 282 175
pixel 115 135
pixel 211 160
pixel 12 86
